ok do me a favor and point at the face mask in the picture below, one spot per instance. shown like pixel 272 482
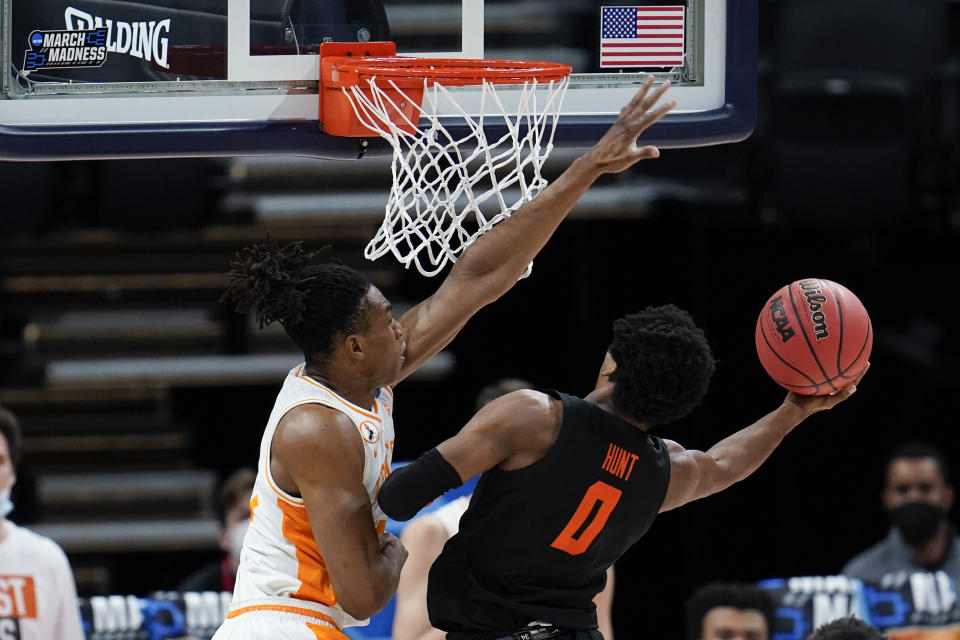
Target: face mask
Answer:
pixel 6 505
pixel 916 521
pixel 235 538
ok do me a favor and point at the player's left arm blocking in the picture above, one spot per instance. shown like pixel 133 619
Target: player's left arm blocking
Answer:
pixel 495 261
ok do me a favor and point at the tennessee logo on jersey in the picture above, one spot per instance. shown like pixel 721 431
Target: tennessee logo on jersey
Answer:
pixel 369 431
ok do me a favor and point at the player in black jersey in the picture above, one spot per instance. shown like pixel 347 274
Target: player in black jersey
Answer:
pixel 569 484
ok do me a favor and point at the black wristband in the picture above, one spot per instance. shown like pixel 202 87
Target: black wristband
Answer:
pixel 411 488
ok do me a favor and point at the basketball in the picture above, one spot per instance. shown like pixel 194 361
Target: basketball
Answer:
pixel 814 336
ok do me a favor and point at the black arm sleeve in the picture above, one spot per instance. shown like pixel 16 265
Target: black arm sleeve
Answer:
pixel 411 488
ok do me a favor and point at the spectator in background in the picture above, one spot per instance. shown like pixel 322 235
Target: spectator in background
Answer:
pixel 425 536
pixel 847 629
pixel 233 509
pixel 729 611
pixel 38 597
pixel 917 498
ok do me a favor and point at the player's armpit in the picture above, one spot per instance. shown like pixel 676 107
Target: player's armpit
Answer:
pixel 321 452
pixel 512 431
pixel 685 476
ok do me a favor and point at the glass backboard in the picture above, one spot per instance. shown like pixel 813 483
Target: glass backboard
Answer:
pixel 109 78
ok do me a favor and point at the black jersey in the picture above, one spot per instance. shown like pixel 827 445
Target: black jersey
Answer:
pixel 535 543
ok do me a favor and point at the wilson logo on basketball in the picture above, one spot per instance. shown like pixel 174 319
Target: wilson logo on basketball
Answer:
pixel 814 307
pixel 779 317
pixel 815 299
pixel 369 431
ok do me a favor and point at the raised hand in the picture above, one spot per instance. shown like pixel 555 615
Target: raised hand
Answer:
pixel 617 149
pixel 812 404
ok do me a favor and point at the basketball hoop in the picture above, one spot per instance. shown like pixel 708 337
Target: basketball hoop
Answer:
pixel 447 189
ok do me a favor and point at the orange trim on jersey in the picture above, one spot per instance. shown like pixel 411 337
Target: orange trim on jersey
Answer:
pixel 388 390
pixel 281 494
pixel 300 611
pixel 326 633
pixel 346 403
pixel 254 502
pixel 312 572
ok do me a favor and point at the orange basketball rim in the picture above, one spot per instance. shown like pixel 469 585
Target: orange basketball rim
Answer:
pixel 344 65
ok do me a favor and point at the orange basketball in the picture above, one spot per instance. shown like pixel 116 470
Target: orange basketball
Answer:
pixel 814 336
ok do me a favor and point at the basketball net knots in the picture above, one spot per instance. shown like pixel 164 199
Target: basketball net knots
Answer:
pixel 449 191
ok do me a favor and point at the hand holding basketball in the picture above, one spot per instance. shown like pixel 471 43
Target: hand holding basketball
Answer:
pixel 617 149
pixel 814 337
pixel 812 404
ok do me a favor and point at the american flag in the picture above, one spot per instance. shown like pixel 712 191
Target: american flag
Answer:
pixel 642 36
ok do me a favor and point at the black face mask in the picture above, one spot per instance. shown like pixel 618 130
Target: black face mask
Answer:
pixel 916 521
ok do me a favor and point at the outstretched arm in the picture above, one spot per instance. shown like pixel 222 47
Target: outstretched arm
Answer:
pixel 493 264
pixel 698 474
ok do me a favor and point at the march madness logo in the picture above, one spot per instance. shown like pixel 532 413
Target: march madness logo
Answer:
pixel 66 49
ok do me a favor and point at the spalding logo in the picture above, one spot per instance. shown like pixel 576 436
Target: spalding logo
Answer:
pixel 815 299
pixel 780 320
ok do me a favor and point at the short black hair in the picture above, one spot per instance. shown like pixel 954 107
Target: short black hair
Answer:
pixel 916 451
pixel 664 365
pixel 10 429
pixel 236 488
pixel 314 303
pixel 849 628
pixel 736 595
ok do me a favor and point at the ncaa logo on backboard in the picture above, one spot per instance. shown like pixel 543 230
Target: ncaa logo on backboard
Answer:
pixel 369 431
pixel 66 49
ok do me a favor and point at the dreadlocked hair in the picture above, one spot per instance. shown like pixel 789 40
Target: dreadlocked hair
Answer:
pixel 664 365
pixel 313 303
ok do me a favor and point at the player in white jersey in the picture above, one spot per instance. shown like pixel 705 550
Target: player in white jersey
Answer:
pixel 316 558
pixel 278 557
pixel 38 598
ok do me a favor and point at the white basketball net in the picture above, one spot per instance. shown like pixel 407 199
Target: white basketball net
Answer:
pixel 446 191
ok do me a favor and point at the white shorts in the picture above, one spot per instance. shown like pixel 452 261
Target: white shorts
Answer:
pixel 275 622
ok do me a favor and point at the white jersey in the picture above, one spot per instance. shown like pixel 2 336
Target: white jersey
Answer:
pixel 280 565
pixel 38 598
